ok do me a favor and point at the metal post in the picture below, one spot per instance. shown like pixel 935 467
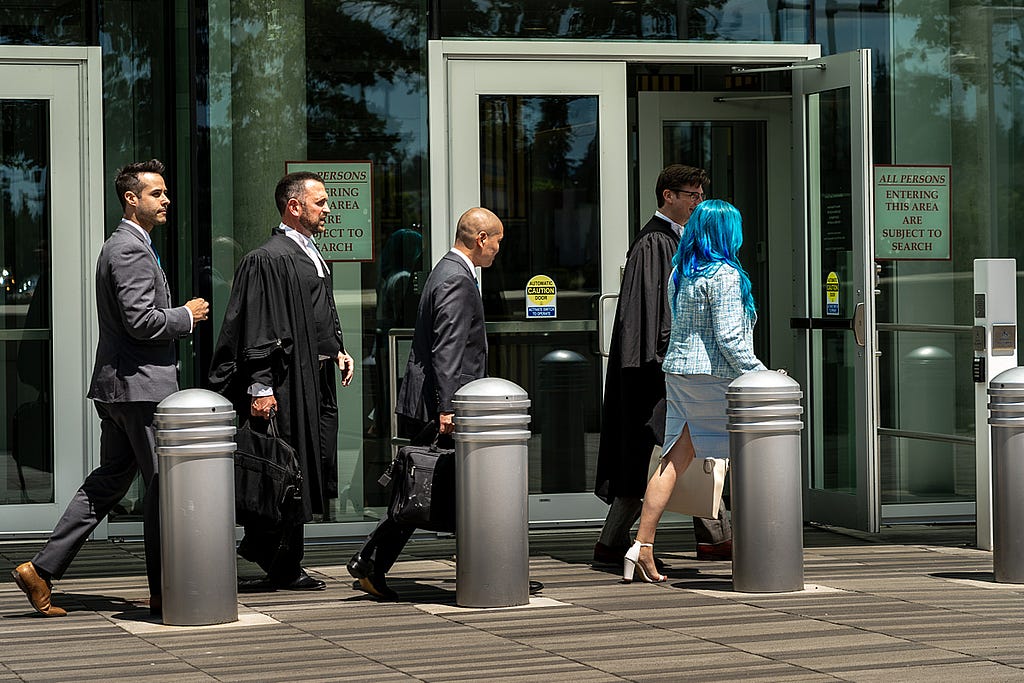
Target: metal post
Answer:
pixel 995 350
pixel 767 515
pixel 195 430
pixel 1006 422
pixel 561 385
pixel 491 492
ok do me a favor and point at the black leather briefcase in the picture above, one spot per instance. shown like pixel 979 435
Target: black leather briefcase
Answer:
pixel 423 487
pixel 268 480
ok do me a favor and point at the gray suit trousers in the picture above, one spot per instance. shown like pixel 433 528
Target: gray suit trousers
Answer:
pixel 127 446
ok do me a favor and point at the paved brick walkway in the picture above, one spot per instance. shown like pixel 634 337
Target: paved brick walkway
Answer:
pixel 911 604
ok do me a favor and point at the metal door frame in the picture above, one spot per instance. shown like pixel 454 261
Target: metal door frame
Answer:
pixel 76 237
pixel 444 210
pixel 845 70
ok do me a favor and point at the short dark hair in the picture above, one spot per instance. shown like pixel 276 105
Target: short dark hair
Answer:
pixel 127 178
pixel 676 176
pixel 293 185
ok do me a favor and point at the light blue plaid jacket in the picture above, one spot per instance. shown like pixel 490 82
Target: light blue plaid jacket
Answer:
pixel 711 333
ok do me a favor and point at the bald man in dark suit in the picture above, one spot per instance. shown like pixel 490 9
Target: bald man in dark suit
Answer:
pixel 449 350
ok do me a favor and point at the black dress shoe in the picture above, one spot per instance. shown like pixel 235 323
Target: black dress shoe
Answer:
pixel 369 580
pixel 536 587
pixel 359 567
pixel 305 582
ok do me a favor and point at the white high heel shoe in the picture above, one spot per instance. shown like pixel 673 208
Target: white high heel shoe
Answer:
pixel 631 562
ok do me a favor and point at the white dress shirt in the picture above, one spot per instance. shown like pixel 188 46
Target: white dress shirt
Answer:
pixel 676 228
pixel 469 263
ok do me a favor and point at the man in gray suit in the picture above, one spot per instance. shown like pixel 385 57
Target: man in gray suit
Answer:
pixel 449 350
pixel 135 369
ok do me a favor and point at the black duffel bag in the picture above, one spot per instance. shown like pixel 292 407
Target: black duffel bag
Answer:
pixel 268 480
pixel 423 487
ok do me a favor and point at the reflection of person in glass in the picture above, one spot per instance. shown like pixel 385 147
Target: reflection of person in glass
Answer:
pixel 135 369
pixel 278 351
pixel 32 454
pixel 711 344
pixel 396 302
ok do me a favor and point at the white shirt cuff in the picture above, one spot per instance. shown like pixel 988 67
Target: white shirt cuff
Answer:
pixel 257 389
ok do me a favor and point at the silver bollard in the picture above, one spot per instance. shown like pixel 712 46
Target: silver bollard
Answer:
pixel 767 513
pixel 1006 422
pixel 195 445
pixel 491 491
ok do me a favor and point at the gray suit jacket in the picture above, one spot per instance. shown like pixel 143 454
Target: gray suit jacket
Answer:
pixel 449 346
pixel 135 358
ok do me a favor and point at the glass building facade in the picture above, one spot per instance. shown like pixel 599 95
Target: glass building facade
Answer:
pixel 227 92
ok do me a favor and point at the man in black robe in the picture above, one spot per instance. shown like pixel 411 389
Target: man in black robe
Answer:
pixel 276 356
pixel 633 417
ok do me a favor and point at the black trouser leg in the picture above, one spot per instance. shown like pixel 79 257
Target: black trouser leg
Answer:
pixel 277 550
pixel 713 530
pixel 622 515
pixel 127 446
pixel 385 543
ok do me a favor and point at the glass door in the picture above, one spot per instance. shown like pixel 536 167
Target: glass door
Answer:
pixel 836 314
pixel 542 144
pixel 48 221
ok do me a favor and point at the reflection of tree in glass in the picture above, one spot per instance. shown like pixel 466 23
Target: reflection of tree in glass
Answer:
pixel 666 20
pixel 43 23
pixel 23 184
pixel 367 62
pixel 366 89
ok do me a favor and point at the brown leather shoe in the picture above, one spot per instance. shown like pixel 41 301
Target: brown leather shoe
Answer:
pixel 37 589
pixel 715 552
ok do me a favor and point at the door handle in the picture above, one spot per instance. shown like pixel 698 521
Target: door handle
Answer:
pixel 602 349
pixel 821 323
pixel 859 335
pixel 856 323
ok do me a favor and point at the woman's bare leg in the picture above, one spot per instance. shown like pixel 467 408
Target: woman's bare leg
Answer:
pixel 659 490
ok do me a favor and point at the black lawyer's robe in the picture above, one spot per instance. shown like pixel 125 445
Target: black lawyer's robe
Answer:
pixel 269 336
pixel 635 383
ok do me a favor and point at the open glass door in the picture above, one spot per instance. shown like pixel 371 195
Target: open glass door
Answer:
pixel 836 318
pixel 543 145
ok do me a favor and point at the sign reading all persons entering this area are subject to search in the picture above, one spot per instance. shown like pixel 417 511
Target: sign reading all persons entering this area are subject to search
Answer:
pixel 912 212
pixel 348 234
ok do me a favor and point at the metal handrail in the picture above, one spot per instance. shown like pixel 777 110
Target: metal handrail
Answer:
pixel 923 327
pixel 393 334
pixel 926 436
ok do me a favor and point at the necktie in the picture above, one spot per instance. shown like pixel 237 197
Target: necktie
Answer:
pixel 155 254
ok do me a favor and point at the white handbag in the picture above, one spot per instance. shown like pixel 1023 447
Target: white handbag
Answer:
pixel 698 492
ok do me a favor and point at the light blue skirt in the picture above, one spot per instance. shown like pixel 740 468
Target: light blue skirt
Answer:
pixel 698 401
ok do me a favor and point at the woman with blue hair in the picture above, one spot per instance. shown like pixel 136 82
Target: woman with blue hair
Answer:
pixel 711 344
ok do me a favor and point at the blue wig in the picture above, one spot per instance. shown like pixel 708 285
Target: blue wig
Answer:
pixel 712 237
